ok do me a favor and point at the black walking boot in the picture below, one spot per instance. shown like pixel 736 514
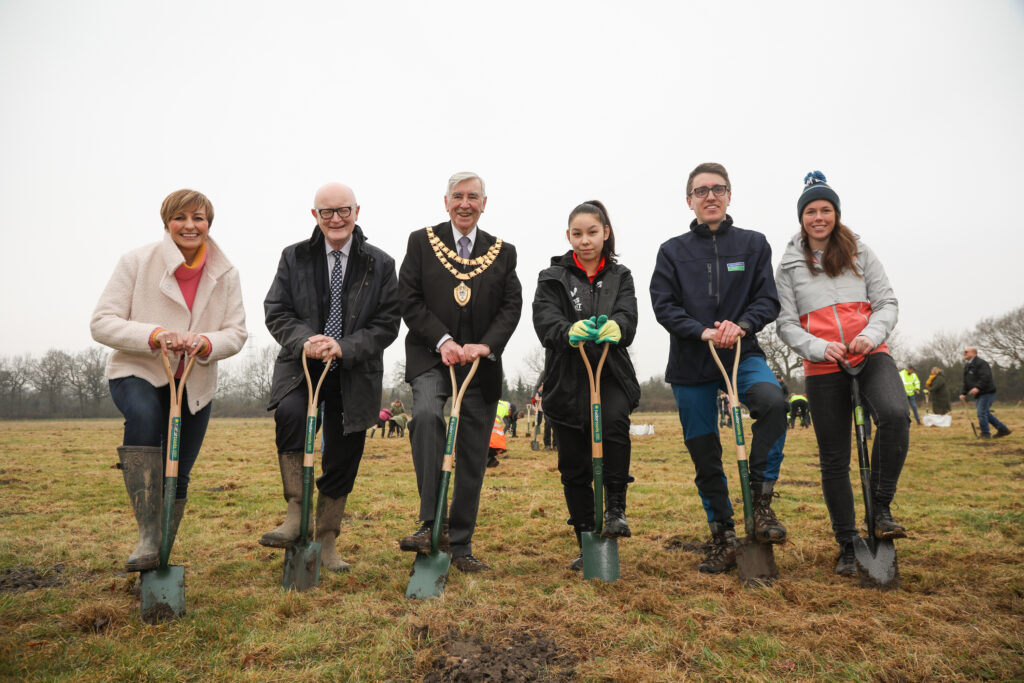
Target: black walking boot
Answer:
pixel 886 528
pixel 845 563
pixel 615 524
pixel 721 555
pixel 767 527
pixel 577 564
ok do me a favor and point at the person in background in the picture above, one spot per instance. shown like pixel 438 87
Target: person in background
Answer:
pixel 912 385
pixel 512 419
pixel 937 389
pixel 838 307
pixel 586 296
pixel 180 295
pixel 497 444
pixel 724 413
pixel 399 418
pixel 799 407
pixel 714 283
pixel 334 297
pixel 979 383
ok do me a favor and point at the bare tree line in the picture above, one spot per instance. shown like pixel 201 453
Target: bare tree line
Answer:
pixel 60 384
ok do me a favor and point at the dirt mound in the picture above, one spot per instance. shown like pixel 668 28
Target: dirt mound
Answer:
pixel 520 657
pixel 20 579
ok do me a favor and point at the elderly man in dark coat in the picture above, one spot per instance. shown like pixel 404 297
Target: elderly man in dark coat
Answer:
pixel 335 297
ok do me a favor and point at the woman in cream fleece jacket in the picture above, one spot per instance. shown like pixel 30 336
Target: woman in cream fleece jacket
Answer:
pixel 181 295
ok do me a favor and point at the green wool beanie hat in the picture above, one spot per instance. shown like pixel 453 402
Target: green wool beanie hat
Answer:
pixel 815 187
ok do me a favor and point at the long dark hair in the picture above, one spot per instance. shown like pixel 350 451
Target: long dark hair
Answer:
pixel 596 208
pixel 838 255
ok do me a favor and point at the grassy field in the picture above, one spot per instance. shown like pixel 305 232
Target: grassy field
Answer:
pixel 65 526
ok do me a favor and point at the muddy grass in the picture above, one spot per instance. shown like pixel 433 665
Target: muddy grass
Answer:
pixel 520 657
pixel 20 579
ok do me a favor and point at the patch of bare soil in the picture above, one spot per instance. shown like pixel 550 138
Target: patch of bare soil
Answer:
pixel 519 657
pixel 690 546
pixel 21 579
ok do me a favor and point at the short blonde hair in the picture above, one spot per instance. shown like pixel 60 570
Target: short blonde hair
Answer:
pixel 185 199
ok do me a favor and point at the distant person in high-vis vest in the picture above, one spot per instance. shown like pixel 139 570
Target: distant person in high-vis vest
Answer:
pixel 912 385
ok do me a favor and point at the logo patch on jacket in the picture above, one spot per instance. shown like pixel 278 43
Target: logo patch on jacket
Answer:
pixel 738 265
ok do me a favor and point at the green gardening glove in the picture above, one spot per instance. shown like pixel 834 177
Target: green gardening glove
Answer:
pixel 581 331
pixel 609 332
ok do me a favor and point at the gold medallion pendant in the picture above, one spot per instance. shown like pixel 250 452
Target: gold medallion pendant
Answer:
pixel 462 294
pixel 445 256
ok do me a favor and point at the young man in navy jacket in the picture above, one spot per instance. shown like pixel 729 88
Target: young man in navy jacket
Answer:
pixel 714 283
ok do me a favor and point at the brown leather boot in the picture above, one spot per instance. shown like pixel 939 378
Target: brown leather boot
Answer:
pixel 721 556
pixel 767 527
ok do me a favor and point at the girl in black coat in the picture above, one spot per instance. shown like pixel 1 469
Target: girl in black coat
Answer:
pixel 586 296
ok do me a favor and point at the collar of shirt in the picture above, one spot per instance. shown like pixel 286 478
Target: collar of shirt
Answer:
pixel 600 266
pixel 344 257
pixel 456 235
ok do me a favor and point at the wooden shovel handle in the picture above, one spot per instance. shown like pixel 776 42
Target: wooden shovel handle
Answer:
pixel 453 421
pixel 596 444
pixel 174 414
pixel 312 401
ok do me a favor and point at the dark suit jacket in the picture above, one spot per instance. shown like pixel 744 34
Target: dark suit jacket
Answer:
pixel 425 292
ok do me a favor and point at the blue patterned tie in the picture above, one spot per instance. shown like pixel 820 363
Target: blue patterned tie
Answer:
pixel 464 247
pixel 333 326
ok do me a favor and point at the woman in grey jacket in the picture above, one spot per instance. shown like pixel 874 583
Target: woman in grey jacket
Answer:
pixel 838 307
pixel 180 296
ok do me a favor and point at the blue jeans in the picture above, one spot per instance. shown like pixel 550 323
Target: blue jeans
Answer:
pixel 698 414
pixel 912 401
pixel 985 416
pixel 146 410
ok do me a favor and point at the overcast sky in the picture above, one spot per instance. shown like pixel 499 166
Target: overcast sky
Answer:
pixel 914 111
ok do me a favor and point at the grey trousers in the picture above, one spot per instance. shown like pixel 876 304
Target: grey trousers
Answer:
pixel 427 432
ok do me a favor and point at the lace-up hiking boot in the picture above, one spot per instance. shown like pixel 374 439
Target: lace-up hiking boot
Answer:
pixel 420 540
pixel 721 555
pixel 845 563
pixel 615 524
pixel 886 527
pixel 469 564
pixel 767 527
pixel 1006 431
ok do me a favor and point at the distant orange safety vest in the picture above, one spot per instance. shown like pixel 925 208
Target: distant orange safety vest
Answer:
pixel 498 434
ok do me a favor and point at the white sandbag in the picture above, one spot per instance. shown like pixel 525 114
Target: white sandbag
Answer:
pixel 641 430
pixel 932 420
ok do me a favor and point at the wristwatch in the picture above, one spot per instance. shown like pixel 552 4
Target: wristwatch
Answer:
pixel 745 326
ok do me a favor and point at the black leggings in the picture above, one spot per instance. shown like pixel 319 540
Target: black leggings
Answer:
pixel 575 455
pixel 884 399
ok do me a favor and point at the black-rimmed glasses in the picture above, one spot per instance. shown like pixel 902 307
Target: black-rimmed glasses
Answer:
pixel 342 211
pixel 702 192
